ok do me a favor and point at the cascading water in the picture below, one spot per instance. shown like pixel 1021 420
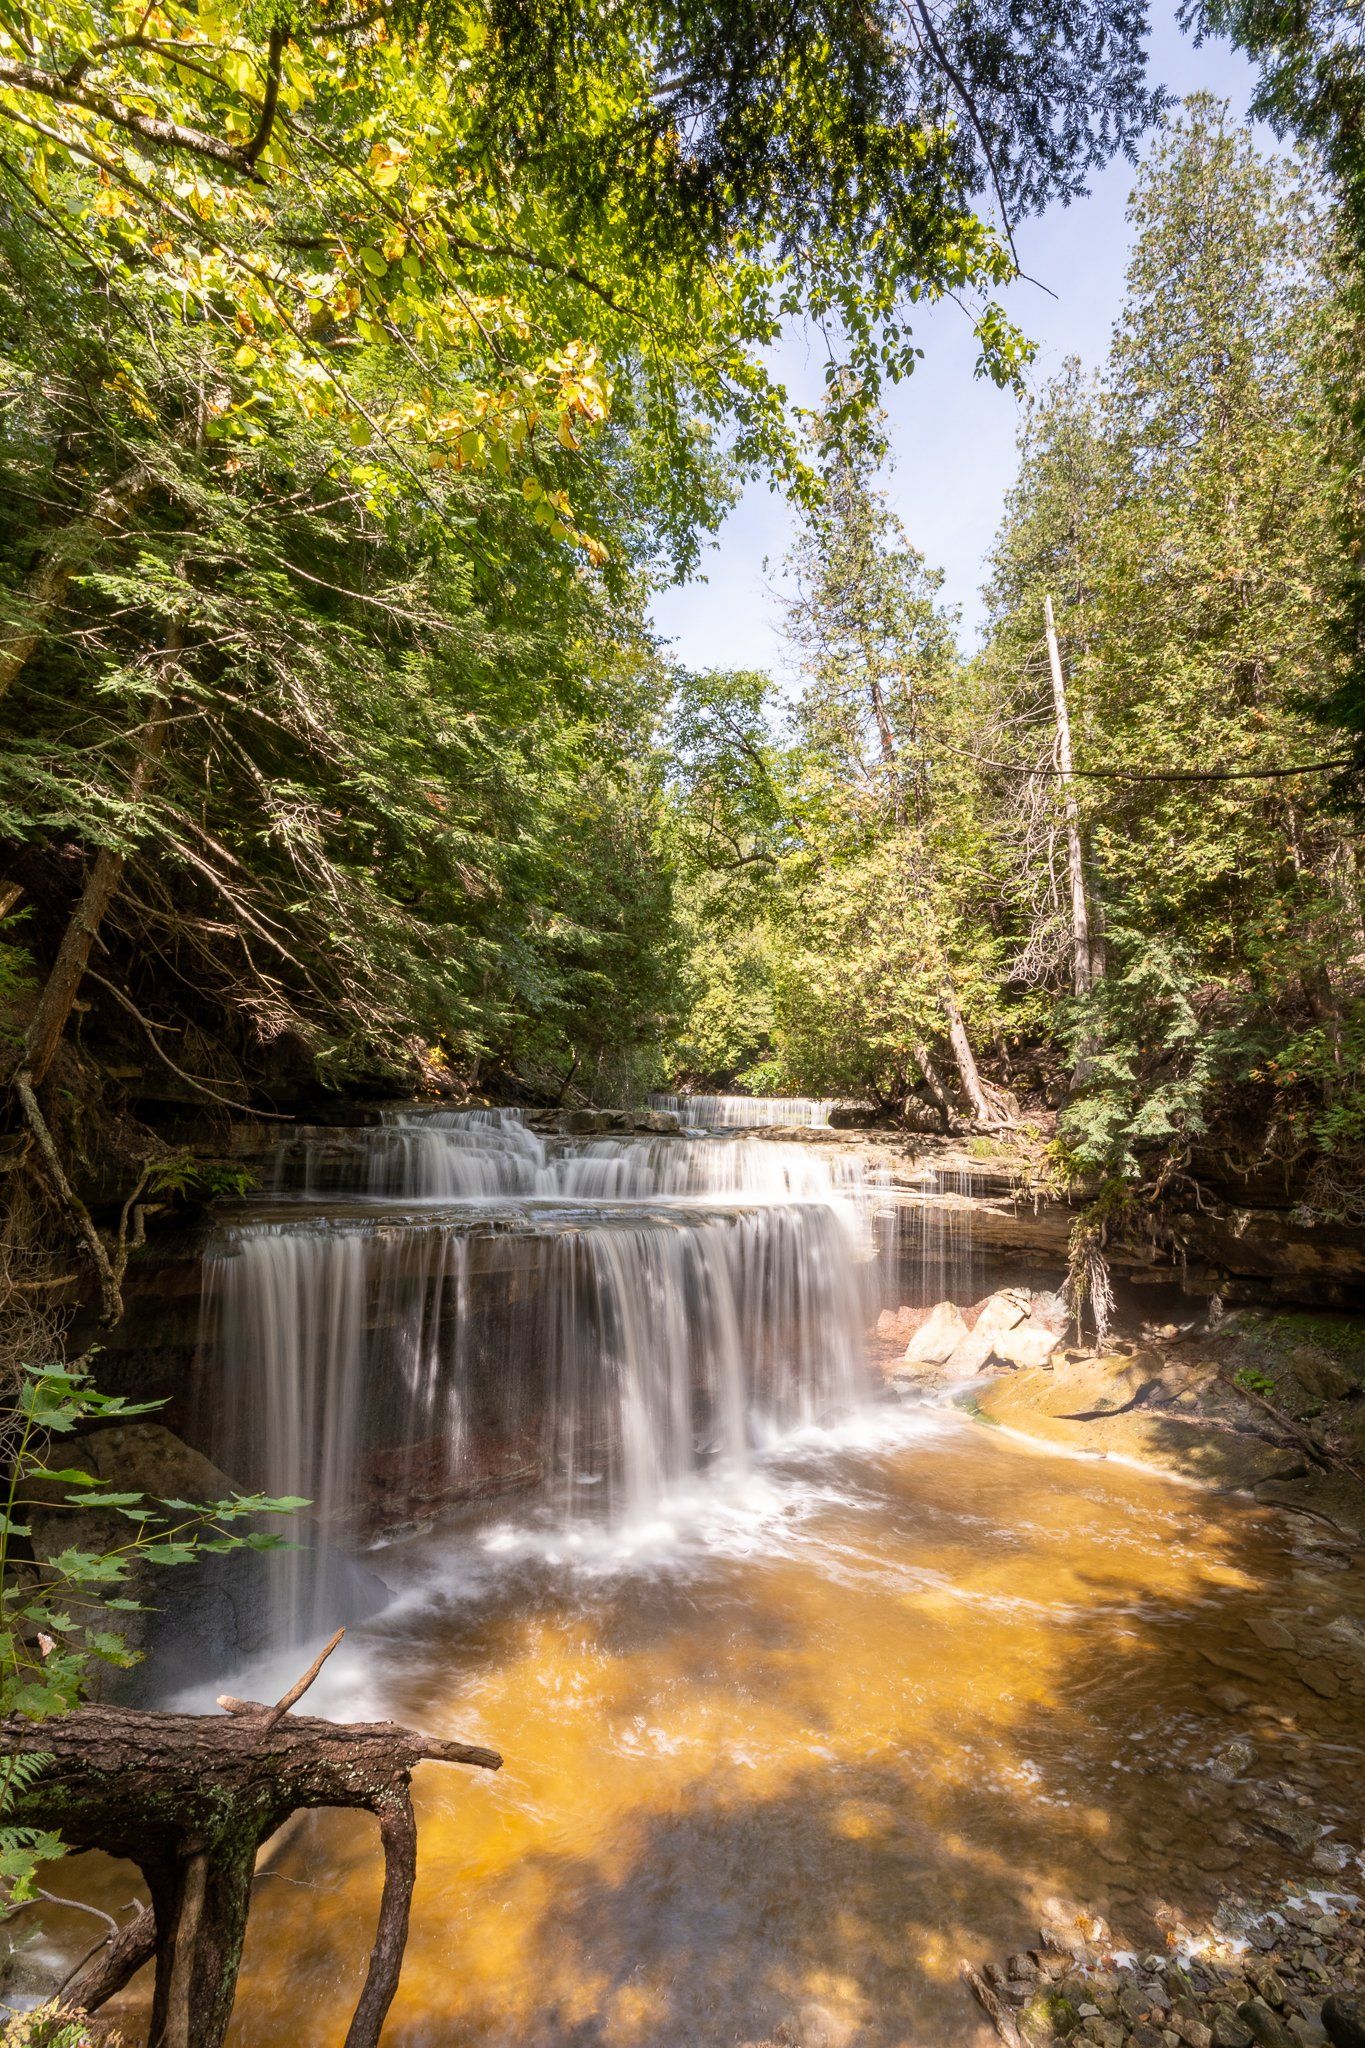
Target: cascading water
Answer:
pixel 447 1305
pixel 746 1112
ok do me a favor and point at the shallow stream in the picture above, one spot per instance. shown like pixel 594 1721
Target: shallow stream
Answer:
pixel 798 1708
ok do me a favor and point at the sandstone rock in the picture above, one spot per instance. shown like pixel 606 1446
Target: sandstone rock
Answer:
pixel 999 1313
pixel 1319 1678
pixel 1027 1344
pixel 1228 2030
pixel 1319 1374
pixel 1343 2017
pixel 1269 1984
pixel 814 2026
pixel 1049 2014
pixel 1233 1761
pixel 939 1337
pixel 1104 2033
pixel 1063 1940
pixel 1273 1634
pixel 1331 1857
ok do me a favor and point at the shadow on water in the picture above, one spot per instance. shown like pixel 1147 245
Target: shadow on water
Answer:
pixel 826 1761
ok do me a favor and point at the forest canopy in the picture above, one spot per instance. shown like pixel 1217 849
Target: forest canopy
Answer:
pixel 365 372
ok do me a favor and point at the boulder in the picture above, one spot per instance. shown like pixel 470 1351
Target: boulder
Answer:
pixel 1265 2027
pixel 1029 1344
pixel 1319 1374
pixel 1000 1313
pixel 939 1337
pixel 1343 2019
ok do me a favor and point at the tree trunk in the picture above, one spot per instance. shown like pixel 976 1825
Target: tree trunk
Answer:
pixel 965 1060
pixel 933 1081
pixel 68 551
pixel 101 886
pixel 1082 958
pixel 189 1799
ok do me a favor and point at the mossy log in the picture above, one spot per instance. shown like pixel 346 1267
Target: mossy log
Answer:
pixel 189 1798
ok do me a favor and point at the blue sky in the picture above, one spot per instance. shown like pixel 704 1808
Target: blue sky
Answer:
pixel 952 436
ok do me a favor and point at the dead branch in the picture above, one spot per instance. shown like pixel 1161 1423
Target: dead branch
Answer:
pixel 1001 2018
pixel 289 1699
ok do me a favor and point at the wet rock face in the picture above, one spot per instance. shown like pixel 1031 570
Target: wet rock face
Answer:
pixel 200 1618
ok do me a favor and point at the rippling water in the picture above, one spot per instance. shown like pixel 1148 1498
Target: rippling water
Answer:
pixel 803 1698
pixel 816 1737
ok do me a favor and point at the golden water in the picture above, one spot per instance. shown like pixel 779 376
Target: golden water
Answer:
pixel 814 1745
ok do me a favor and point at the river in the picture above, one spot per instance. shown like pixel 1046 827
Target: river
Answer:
pixel 805 1695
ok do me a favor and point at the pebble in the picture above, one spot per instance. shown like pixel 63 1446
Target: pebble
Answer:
pixel 1320 1678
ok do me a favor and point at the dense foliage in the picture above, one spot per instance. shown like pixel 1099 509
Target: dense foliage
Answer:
pixel 1184 511
pixel 361 369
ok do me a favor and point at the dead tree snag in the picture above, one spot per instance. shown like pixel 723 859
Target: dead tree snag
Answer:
pixel 190 1798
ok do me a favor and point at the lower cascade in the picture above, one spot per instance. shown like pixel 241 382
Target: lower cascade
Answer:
pixel 448 1305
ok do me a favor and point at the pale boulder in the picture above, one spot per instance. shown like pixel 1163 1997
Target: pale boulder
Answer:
pixel 1002 1312
pixel 1026 1345
pixel 939 1337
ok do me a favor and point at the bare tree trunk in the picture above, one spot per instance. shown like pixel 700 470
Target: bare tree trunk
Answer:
pixel 68 551
pixel 933 1081
pixel 965 1060
pixel 1082 958
pixel 886 742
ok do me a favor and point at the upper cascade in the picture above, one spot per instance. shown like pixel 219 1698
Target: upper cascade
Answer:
pixel 481 1154
pixel 747 1112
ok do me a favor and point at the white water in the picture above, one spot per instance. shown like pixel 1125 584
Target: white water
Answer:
pixel 448 1305
pixel 746 1112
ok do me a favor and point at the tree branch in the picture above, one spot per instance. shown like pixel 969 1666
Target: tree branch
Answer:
pixel 147 127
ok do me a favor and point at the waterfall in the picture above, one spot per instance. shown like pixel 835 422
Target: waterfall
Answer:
pixel 448 1305
pixel 747 1112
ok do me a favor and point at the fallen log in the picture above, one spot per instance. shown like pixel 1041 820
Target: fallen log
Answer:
pixel 189 1798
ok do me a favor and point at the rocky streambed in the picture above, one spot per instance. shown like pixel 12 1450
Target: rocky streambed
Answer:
pixel 1270 1405
pixel 1287 1971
